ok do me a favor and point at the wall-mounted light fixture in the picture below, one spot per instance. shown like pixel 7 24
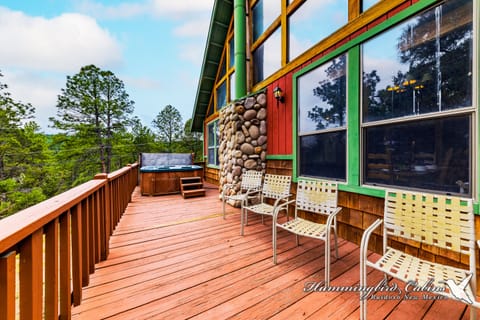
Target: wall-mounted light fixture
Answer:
pixel 278 94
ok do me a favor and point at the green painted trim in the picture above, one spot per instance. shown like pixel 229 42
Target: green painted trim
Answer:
pixel 280 157
pixel 353 116
pixel 240 51
pixel 373 192
pixel 476 84
pixel 295 129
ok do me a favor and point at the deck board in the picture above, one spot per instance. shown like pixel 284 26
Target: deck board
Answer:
pixel 175 258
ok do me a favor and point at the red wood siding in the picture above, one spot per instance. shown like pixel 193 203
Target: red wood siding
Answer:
pixel 280 118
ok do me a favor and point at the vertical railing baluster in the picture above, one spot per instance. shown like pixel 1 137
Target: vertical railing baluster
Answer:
pixel 77 254
pixel 85 243
pixel 7 286
pixel 51 270
pixel 65 253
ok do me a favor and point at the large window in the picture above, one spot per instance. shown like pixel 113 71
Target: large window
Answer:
pixel 267 57
pixel 417 101
pixel 368 3
pixel 321 104
pixel 281 34
pixel 213 142
pixel 304 31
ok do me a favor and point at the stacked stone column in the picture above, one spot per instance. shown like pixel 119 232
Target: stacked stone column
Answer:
pixel 243 136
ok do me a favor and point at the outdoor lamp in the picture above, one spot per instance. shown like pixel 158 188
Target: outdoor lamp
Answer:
pixel 278 94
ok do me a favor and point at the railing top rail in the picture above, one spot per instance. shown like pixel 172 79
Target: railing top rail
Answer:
pixel 121 171
pixel 16 227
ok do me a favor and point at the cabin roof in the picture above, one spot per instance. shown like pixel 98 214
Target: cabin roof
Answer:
pixel 217 32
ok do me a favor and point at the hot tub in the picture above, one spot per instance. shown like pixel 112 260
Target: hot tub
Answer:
pixel 159 179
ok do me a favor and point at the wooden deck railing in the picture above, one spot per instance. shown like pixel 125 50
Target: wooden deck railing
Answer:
pixel 48 251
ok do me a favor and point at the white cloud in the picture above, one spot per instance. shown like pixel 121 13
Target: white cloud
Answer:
pixel 122 11
pixel 193 28
pixel 180 9
pixel 63 43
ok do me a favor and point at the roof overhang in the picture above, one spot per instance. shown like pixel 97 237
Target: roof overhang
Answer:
pixel 217 33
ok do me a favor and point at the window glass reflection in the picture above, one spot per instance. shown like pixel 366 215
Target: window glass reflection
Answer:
pixel 232 52
pixel 367 4
pixel 304 29
pixel 323 155
pixel 430 154
pixel 267 58
pixel 322 97
pixel 232 87
pixel 213 138
pixel 222 95
pixel 264 13
pixel 421 66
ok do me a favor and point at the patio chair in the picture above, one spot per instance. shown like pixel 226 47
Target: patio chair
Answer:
pixel 318 197
pixel 439 222
pixel 276 189
pixel 249 188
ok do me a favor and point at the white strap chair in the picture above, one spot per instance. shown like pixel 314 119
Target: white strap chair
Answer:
pixel 319 197
pixel 249 188
pixel 439 221
pixel 277 189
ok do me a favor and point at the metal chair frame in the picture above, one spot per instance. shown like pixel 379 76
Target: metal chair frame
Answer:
pixel 319 197
pixel 438 221
pixel 275 187
pixel 249 188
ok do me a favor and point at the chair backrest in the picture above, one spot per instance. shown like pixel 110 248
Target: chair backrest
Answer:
pixel 317 196
pixel 438 220
pixel 251 179
pixel 276 186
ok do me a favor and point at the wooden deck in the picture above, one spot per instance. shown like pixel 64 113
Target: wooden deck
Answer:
pixel 175 258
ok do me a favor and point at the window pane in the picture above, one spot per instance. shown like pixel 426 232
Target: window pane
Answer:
pixel 222 95
pixel 421 66
pixel 430 154
pixel 232 87
pixel 322 96
pixel 268 57
pixel 323 155
pixel 367 4
pixel 211 134
pixel 264 13
pixel 304 29
pixel 213 138
pixel 232 52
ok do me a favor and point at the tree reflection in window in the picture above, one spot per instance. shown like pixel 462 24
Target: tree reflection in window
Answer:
pixel 322 96
pixel 423 66
pixel 426 68
pixel 331 90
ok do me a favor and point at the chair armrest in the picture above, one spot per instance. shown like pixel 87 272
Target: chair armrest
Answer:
pixel 285 198
pixel 366 238
pixel 280 208
pixel 226 186
pixel 331 217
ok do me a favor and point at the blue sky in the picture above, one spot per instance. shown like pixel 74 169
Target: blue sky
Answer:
pixel 154 46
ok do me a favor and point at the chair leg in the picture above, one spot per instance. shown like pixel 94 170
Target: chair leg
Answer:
pixel 223 200
pixel 274 241
pixel 242 211
pixel 327 260
pixel 336 241
pixel 297 240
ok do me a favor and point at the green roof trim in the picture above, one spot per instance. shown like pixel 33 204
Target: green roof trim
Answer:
pixel 217 33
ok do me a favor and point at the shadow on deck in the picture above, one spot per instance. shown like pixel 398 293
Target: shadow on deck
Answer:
pixel 175 258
